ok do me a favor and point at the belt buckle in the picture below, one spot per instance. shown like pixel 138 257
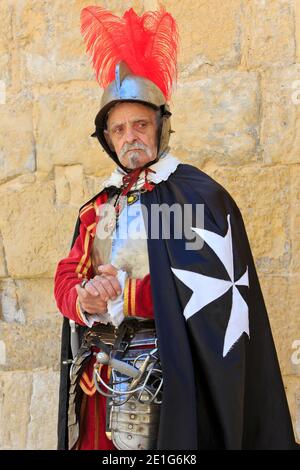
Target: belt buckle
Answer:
pixel 123 346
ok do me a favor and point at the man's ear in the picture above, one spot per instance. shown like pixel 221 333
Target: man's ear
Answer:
pixel 108 140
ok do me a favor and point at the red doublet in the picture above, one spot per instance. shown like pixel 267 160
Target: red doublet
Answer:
pixel 137 302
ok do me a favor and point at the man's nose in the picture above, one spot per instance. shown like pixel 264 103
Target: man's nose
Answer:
pixel 130 134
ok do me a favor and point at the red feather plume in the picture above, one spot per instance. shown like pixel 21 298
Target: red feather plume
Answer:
pixel 148 44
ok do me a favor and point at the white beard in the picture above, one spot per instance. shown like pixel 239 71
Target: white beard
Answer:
pixel 133 159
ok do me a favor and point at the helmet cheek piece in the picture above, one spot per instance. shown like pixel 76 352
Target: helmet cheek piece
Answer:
pixel 164 130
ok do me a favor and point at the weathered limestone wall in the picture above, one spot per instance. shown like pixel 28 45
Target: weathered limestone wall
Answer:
pixel 236 116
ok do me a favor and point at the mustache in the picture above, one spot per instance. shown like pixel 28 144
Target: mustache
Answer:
pixel 135 146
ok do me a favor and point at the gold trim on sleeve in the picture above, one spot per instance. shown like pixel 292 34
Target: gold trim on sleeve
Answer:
pixel 86 246
pixel 132 296
pixel 78 310
pixel 126 298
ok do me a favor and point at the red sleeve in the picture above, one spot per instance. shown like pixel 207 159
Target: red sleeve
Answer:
pixel 138 298
pixel 77 266
pixel 71 271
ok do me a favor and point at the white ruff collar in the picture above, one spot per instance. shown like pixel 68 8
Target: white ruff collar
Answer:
pixel 165 166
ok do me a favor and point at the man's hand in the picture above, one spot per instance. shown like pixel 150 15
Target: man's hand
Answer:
pixel 108 269
pixel 90 303
pixel 93 298
pixel 106 284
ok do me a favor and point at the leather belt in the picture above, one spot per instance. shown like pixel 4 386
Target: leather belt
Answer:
pixel 108 337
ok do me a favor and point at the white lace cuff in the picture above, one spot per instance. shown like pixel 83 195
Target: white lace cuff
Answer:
pixel 115 307
pixel 90 319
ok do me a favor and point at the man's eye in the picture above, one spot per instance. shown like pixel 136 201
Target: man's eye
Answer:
pixel 117 130
pixel 142 124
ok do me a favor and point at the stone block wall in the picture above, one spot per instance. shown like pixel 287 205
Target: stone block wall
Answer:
pixel 236 113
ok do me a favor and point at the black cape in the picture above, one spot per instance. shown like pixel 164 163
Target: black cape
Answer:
pixel 211 400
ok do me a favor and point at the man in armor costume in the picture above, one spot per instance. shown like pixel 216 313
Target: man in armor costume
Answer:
pixel 169 347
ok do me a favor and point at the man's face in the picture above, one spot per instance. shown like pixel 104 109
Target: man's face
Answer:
pixel 132 132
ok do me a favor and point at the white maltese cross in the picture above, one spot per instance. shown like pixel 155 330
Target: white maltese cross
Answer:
pixel 207 289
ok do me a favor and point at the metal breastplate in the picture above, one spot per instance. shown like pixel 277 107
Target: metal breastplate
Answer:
pixel 134 392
